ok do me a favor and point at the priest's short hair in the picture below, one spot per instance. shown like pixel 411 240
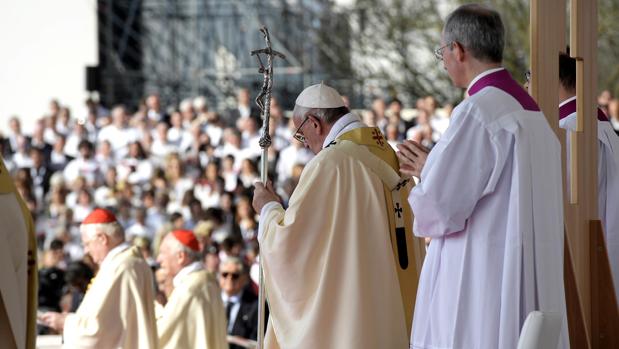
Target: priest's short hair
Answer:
pixel 479 29
pixel 567 71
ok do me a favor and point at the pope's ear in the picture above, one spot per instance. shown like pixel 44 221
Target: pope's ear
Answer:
pixel 316 123
pixel 312 119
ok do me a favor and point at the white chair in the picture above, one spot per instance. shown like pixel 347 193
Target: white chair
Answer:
pixel 541 330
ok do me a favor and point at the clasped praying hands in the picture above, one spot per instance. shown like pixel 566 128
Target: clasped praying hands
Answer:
pixel 412 156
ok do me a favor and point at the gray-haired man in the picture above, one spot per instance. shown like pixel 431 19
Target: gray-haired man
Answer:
pixel 117 310
pixel 489 199
pixel 194 316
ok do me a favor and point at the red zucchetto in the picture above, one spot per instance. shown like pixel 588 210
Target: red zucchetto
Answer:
pixel 99 216
pixel 187 238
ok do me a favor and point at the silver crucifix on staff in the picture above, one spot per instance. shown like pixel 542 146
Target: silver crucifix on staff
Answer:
pixel 264 103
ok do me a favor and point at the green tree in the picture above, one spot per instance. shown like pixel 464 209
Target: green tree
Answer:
pixel 515 15
pixel 608 46
pixel 393 41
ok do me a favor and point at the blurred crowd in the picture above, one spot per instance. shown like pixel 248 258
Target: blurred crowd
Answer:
pixel 161 168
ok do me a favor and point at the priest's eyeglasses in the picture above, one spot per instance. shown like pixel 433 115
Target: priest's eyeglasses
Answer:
pixel 438 53
pixel 298 135
pixel 234 276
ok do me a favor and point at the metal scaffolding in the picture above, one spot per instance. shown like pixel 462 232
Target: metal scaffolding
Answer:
pixel 182 49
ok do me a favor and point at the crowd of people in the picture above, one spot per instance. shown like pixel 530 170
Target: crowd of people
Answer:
pixel 147 221
pixel 165 168
pixel 161 169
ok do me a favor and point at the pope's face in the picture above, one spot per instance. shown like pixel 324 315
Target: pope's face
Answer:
pixel 309 127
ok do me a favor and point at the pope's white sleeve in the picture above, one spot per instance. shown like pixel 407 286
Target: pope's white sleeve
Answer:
pixel 263 214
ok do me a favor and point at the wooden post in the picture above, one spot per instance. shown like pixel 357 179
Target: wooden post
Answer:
pixel 604 309
pixel 592 310
pixel 547 39
pixel 583 172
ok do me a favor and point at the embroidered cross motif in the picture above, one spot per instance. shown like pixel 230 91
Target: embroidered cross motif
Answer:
pixel 377 137
pixel 398 210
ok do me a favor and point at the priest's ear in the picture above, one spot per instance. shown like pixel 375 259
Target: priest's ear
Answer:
pixel 459 51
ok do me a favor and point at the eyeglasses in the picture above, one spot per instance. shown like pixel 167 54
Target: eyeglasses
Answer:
pixel 297 135
pixel 234 276
pixel 527 75
pixel 438 53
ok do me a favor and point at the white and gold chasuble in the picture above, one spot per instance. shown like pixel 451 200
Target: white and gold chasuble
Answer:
pixel 331 274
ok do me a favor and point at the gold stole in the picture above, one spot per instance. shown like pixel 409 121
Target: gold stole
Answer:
pixel 408 262
pixel 7 186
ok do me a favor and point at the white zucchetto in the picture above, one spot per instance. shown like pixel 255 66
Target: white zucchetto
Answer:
pixel 320 96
